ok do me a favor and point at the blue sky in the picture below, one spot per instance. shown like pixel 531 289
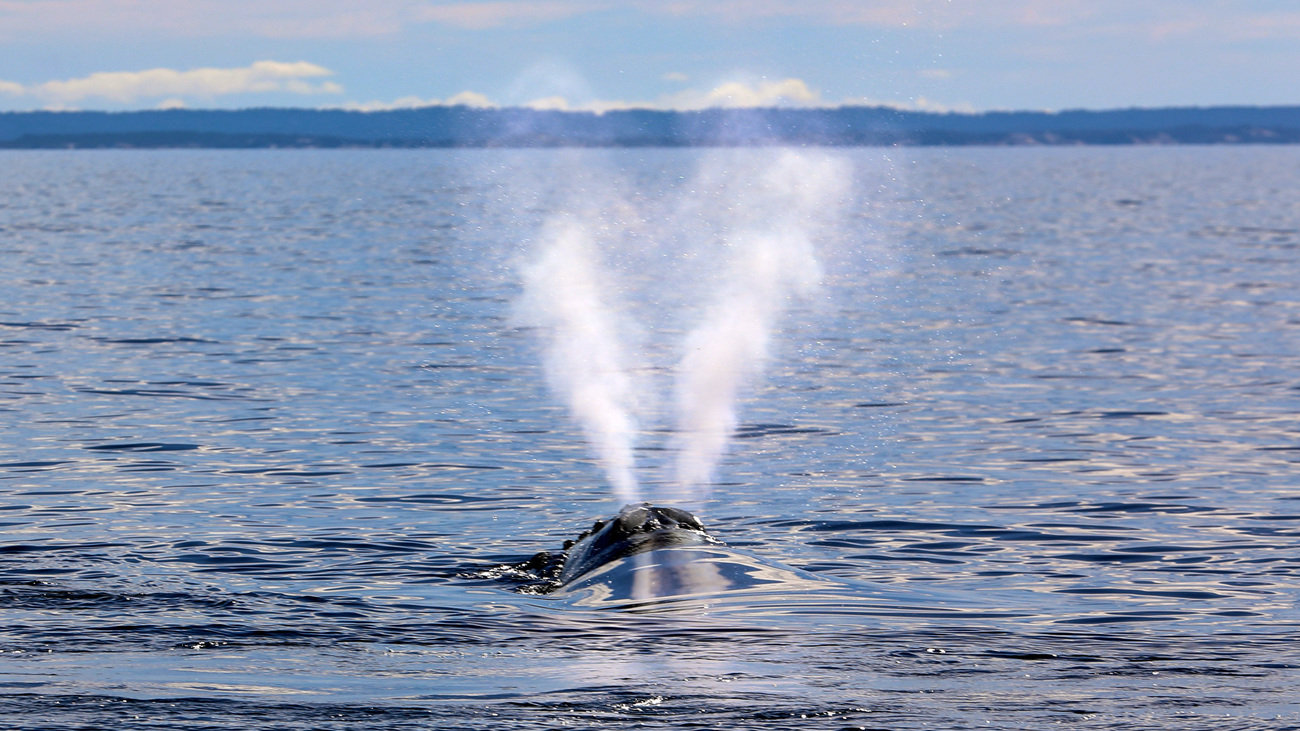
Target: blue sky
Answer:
pixel 608 54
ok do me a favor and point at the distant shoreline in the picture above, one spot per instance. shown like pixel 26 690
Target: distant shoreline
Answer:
pixel 466 127
pixel 165 139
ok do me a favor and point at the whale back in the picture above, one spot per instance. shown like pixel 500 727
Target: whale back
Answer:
pixel 636 529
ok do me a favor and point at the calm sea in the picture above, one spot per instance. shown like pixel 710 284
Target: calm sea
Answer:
pixel 269 415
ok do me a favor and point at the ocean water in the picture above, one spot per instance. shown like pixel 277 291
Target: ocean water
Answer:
pixel 1028 455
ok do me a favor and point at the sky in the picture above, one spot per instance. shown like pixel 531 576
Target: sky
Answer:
pixel 943 55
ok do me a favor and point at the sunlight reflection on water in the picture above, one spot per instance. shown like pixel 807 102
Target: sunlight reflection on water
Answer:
pixel 265 410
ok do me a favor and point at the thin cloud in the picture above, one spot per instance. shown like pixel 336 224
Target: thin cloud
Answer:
pixel 1158 20
pixel 497 13
pixel 881 13
pixel 1048 13
pixel 206 83
pixel 1267 26
pixel 362 23
pixel 283 19
pixel 344 19
pixel 202 18
pixel 1154 20
pixel 1175 28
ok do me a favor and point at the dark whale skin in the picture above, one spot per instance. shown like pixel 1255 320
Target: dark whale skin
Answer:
pixel 638 528
pixel 650 558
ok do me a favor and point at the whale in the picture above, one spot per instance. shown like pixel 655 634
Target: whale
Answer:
pixel 663 560
pixel 637 529
pixel 652 556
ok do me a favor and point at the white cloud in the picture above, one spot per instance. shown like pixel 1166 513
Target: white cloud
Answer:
pixel 727 95
pixel 552 104
pixel 783 93
pixel 172 88
pixel 787 93
pixel 470 99
pixel 464 98
pixel 915 104
pixel 206 83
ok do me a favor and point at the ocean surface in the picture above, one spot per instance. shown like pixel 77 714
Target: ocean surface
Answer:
pixel 272 421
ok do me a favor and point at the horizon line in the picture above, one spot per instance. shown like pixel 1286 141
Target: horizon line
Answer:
pixel 650 109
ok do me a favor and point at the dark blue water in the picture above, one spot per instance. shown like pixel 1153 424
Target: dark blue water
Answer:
pixel 269 416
